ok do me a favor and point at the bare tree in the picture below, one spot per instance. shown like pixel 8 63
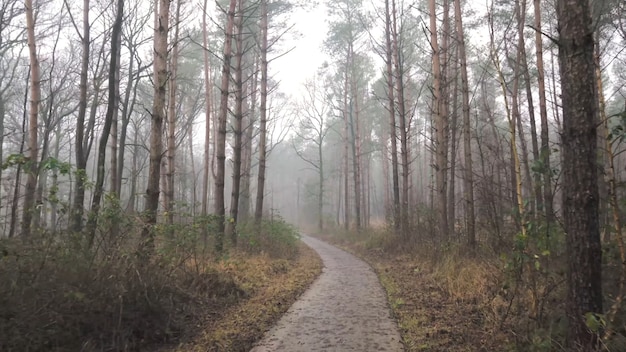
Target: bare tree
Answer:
pixel 468 180
pixel 260 190
pixel 220 208
pixel 112 107
pixel 161 29
pixel 33 146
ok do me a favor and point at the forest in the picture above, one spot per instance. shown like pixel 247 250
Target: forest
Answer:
pixel 159 159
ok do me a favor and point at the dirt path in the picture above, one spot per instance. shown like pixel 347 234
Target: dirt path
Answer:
pixel 344 310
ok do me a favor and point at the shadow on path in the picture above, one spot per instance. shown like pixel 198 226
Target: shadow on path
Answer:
pixel 344 310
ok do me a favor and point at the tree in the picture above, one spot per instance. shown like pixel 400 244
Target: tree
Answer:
pixel 208 89
pixel 468 180
pixel 544 151
pixel 35 97
pixel 313 129
pixel 171 120
pixel 220 208
pixel 260 189
pixel 80 152
pixel 389 54
pixel 112 107
pixel 441 125
pixel 161 29
pixel 580 179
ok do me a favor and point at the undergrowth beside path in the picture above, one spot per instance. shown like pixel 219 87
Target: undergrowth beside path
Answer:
pixel 434 314
pixel 55 295
pixel 275 286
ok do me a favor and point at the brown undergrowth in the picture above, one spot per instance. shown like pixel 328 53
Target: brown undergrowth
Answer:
pixel 273 285
pixel 441 304
pixel 56 297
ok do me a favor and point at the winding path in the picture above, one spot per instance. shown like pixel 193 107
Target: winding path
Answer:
pixel 344 310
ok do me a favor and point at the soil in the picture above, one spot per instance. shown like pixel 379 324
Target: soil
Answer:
pixel 345 309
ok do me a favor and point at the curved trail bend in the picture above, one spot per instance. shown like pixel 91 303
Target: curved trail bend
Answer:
pixel 344 310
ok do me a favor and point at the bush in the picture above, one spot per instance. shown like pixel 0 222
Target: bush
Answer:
pixel 275 237
pixel 57 298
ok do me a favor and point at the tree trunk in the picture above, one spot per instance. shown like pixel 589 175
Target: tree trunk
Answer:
pixel 208 89
pixel 240 100
pixel 468 179
pixel 171 126
pixel 33 146
pixel 441 161
pixel 81 158
pixel 18 172
pixel 580 179
pixel 258 212
pixel 544 152
pixel 220 208
pixel 151 205
pixel 392 120
pixel 112 107
pixel 244 204
pixel 401 106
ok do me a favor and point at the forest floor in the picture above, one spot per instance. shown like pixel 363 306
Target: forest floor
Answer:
pixel 272 286
pixel 344 310
pixel 430 316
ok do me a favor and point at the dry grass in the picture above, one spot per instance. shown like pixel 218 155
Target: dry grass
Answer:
pixel 442 302
pixel 273 286
pixel 56 297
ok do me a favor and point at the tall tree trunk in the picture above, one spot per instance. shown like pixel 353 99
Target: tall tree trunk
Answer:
pixel 240 100
pixel 543 111
pixel 258 212
pixel 33 146
pixel 392 119
pixel 55 182
pixel 580 179
pixel 356 168
pixel 246 174
pixel 208 96
pixel 171 125
pixel 441 162
pixel 445 113
pixel 468 179
pixel 516 173
pixel 18 172
pixel 151 205
pixel 112 107
pixel 321 190
pixel 346 146
pixel 81 158
pixel 220 208
pixel 611 180
pixel 453 151
pixel 401 106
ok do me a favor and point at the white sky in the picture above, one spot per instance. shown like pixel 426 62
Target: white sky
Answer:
pixel 295 67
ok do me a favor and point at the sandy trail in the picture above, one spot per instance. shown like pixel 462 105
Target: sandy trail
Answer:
pixel 344 310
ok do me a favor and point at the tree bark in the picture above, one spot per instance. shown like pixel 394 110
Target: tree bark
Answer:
pixel 220 208
pixel 33 146
pixel 240 100
pixel 544 152
pixel 468 179
pixel 81 158
pixel 392 120
pixel 401 106
pixel 441 161
pixel 580 179
pixel 151 205
pixel 258 212
pixel 171 125
pixel 208 96
pixel 112 107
